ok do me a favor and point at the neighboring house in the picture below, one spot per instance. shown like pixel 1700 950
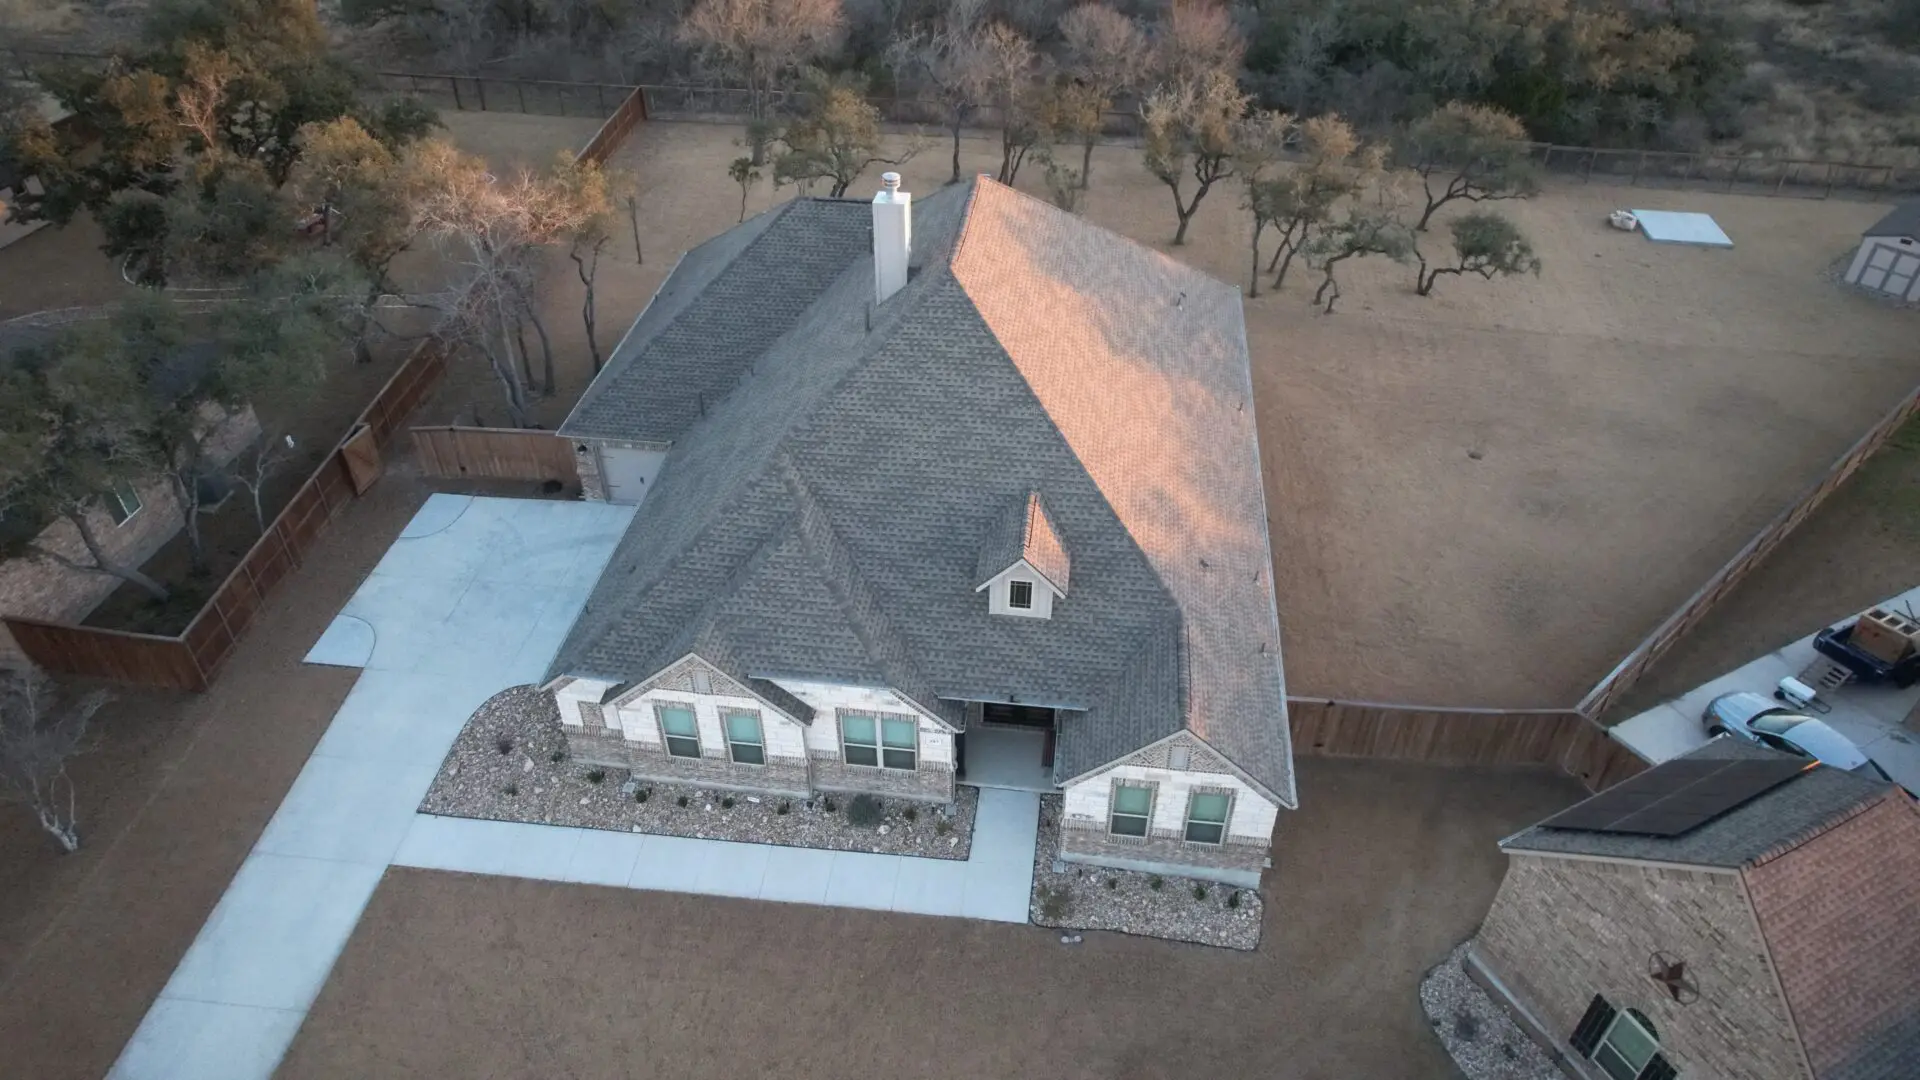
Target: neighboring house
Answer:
pixel 1732 913
pixel 1888 259
pixel 927 495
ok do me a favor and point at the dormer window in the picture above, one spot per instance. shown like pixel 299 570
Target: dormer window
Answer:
pixel 1023 565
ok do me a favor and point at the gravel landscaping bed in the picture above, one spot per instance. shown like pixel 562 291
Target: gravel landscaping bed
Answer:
pixel 1477 1030
pixel 1096 898
pixel 510 763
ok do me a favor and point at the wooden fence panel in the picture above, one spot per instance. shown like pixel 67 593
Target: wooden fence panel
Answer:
pixel 614 132
pixel 1561 739
pixel 141 659
pixel 495 454
pixel 1656 644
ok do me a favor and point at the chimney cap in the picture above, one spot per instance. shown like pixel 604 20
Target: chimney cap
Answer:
pixel 890 181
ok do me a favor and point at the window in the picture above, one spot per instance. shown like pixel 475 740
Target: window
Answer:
pixel 681 732
pixel 744 741
pixel 122 503
pixel 1020 594
pixel 1206 817
pixel 1623 1044
pixel 879 741
pixel 1132 808
pixel 900 743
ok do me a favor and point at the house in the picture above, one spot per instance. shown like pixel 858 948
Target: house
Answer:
pixel 959 489
pixel 1734 912
pixel 1888 259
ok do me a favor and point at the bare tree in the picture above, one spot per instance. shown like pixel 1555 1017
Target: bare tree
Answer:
pixel 1195 39
pixel 37 738
pixel 1190 129
pixel 258 464
pixel 1010 70
pixel 1262 139
pixel 1106 55
pixel 1301 199
pixel 1484 243
pixel 761 42
pixel 1475 152
pixel 950 57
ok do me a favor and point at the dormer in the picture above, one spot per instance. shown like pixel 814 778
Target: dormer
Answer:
pixel 1023 565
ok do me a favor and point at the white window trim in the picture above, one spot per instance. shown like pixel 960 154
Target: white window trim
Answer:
pixel 660 721
pixel 1013 600
pixel 119 495
pixel 1226 823
pixel 879 744
pixel 1113 802
pixel 726 732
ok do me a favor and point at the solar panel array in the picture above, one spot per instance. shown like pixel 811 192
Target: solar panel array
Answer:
pixel 1678 796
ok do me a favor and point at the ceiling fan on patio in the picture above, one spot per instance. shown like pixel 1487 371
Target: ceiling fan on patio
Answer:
pixel 1672 975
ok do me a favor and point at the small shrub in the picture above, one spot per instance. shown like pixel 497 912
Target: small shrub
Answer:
pixel 641 795
pixel 681 802
pixel 1113 883
pixel 827 804
pixel 783 809
pixel 1055 902
pixel 1199 892
pixel 557 756
pixel 1465 1027
pixel 911 814
pixel 595 776
pixel 726 803
pixel 864 811
pixel 510 790
pixel 942 827
pixel 503 742
pixel 1155 883
pixel 1233 899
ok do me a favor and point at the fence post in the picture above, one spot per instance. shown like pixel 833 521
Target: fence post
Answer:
pixel 458 105
pixel 1786 170
pixel 600 95
pixel 1637 166
pixel 520 89
pixel 1734 177
pixel 1546 159
pixel 480 88
pixel 1829 192
pixel 1592 156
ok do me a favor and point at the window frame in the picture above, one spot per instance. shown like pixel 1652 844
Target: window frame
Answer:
pixel 846 744
pixel 912 752
pixel 1013 596
pixel 1605 1043
pixel 667 738
pixel 879 747
pixel 1187 822
pixel 116 501
pixel 759 728
pixel 1114 812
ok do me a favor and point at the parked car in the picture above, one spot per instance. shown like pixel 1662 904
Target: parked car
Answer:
pixel 1759 719
pixel 1836 644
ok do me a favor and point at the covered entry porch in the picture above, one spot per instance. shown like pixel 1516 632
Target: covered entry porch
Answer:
pixel 1007 746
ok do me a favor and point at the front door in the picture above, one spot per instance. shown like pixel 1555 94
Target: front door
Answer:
pixel 1023 716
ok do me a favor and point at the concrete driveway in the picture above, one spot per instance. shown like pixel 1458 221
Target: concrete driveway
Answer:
pixel 1874 717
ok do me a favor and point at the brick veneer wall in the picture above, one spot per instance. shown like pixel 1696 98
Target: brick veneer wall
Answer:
pixel 930 781
pixel 1563 930
pixel 587 463
pixel 1080 842
pixel 39 589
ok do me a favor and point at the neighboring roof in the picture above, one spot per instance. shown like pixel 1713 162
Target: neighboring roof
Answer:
pixel 1902 220
pixel 1025 532
pixel 823 509
pixel 1762 827
pixel 1841 917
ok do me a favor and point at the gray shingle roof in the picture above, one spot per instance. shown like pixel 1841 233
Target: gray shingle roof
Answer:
pixel 825 518
pixel 1025 531
pixel 1779 818
pixel 1903 220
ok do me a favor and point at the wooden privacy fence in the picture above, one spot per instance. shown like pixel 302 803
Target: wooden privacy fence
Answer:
pixel 467 453
pixel 614 131
pixel 1558 738
pixel 189 661
pixel 1689 614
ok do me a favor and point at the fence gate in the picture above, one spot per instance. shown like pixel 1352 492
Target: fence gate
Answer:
pixel 361 454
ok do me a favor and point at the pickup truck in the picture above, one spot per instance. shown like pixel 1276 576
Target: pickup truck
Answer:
pixel 1836 644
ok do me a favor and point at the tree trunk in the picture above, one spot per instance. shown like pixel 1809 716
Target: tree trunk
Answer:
pixel 1180 234
pixel 185 479
pixel 526 355
pixel 589 269
pixel 507 370
pixel 1086 163
pixel 956 147
pixel 743 203
pixel 546 351
pixel 102 564
pixel 633 216
pixel 1253 279
pixel 67 832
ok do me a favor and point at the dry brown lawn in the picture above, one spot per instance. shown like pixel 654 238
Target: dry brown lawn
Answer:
pixel 454 975
pixel 1638 411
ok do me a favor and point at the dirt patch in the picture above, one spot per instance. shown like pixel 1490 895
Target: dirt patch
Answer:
pixel 54 268
pixel 451 973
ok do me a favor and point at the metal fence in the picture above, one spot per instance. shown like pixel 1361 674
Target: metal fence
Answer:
pixel 1798 177
pixel 484 93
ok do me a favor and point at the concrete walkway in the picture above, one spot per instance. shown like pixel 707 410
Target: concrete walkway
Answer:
pixel 474 597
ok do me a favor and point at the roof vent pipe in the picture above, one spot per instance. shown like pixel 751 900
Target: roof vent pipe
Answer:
pixel 892 237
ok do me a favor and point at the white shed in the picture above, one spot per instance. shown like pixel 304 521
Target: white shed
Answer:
pixel 1889 257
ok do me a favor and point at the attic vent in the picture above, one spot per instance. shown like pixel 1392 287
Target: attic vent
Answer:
pixel 702 682
pixel 1179 757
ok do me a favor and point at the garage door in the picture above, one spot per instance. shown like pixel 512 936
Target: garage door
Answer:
pixel 1890 270
pixel 629 473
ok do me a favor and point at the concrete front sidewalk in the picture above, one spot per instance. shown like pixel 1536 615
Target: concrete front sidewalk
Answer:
pixel 474 597
pixel 994 883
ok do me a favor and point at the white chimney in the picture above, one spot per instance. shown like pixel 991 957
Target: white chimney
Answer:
pixel 892 237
